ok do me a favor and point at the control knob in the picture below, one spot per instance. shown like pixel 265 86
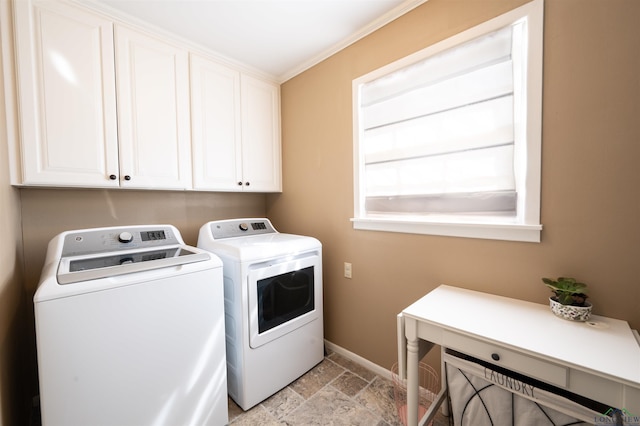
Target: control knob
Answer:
pixel 125 237
pixel 244 227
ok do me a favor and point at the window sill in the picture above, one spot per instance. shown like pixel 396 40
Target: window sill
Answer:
pixel 491 231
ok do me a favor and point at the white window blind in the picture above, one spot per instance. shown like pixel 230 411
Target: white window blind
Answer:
pixel 438 136
pixel 447 141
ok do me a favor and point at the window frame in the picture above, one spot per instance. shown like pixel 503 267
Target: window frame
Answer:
pixel 526 225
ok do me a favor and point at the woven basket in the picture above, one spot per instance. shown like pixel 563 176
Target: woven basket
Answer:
pixel 429 387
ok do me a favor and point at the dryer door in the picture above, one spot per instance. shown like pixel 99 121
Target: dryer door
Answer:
pixel 283 296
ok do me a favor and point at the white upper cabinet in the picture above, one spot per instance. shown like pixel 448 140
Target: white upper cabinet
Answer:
pixel 261 157
pixel 153 112
pixel 235 130
pixel 66 96
pixel 215 126
pixel 106 103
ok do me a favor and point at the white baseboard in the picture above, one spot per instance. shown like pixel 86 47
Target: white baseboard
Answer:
pixel 380 371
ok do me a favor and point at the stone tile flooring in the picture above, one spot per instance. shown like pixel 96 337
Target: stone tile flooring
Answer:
pixel 335 392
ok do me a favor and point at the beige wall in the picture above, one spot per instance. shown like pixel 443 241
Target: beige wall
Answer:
pixel 590 177
pixel 12 301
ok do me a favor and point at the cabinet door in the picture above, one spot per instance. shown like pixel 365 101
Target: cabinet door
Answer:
pixel 215 126
pixel 153 112
pixel 66 92
pixel 261 158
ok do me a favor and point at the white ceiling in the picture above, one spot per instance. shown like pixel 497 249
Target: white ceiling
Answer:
pixel 280 38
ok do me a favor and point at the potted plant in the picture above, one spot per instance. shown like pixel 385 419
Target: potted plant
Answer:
pixel 570 299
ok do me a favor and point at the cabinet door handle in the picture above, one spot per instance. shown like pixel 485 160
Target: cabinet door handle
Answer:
pixel 239 183
pixel 113 177
pixel 247 183
pixel 495 357
pixel 127 177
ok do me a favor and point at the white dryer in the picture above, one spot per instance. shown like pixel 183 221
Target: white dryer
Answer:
pixel 130 330
pixel 273 305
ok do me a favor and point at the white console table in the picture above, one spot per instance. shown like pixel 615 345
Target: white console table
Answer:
pixel 598 359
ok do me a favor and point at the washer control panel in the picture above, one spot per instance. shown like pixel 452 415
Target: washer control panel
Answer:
pixel 106 240
pixel 221 229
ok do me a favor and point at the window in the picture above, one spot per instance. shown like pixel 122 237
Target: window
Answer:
pixel 447 141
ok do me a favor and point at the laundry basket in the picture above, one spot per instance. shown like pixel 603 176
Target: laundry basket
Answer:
pixel 429 387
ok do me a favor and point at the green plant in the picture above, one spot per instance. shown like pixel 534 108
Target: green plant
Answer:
pixel 567 291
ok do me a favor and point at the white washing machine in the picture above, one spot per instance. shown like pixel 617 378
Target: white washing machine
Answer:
pixel 273 305
pixel 130 330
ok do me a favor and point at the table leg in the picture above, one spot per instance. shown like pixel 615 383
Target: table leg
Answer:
pixel 443 381
pixel 412 373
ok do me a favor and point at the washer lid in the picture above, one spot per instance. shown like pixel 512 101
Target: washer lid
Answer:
pixel 90 267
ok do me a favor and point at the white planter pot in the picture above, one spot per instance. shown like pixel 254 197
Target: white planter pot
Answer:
pixel 569 312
